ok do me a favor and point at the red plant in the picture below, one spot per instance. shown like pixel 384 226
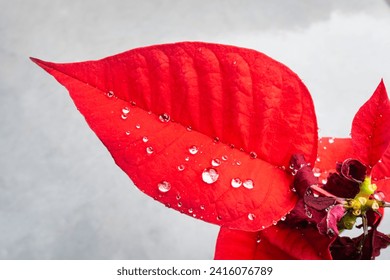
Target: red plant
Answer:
pixel 211 130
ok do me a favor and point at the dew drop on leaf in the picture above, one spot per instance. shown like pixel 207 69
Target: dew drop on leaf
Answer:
pixel 193 150
pixel 283 218
pixel 125 110
pixel 124 116
pixel 110 94
pixel 190 210
pixel 178 197
pixel 216 139
pixel 164 186
pixel 202 207
pixel 137 126
pixel 210 175
pixel 189 128
pixel 127 132
pixel 180 167
pixel 179 204
pixel 274 222
pixel 236 183
pixel 164 117
pixel 248 183
pixel 149 150
pixel 219 218
pixel 187 159
pixel 216 162
pixel 316 172
pixel 225 157
pixel 145 139
pixel 331 140
pixel 324 181
pixel 251 216
pixel 253 155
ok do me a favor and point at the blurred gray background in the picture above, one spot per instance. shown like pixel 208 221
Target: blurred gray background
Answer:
pixel 62 196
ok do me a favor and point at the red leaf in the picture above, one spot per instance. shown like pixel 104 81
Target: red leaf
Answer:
pixel 371 127
pixel 178 107
pixel 277 243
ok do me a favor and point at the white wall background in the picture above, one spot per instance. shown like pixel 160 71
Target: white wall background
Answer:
pixel 62 196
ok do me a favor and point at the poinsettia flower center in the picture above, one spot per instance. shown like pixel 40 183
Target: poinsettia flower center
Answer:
pixel 363 202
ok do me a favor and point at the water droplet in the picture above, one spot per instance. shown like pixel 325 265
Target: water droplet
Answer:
pixel 308 213
pixel 202 207
pixel 331 140
pixel 178 197
pixel 274 223
pixel 127 132
pixel 238 163
pixel 324 181
pixel 318 159
pixel 210 175
pixel 123 116
pixel 164 117
pixel 316 172
pixel 283 218
pixel 145 139
pixel 180 167
pixel 232 146
pixel 164 186
pixel 137 126
pixel 133 103
pixel 293 189
pixel 149 150
pixel 216 162
pixel 190 210
pixel 168 205
pixel 251 216
pixel 216 139
pixel 219 218
pixel 189 128
pixel 193 150
pixel 253 155
pixel 125 110
pixel 179 204
pixel 234 62
pixel 258 240
pixel 324 148
pixel 248 183
pixel 262 227
pixel 187 158
pixel 110 94
pixel 236 183
pixel 225 158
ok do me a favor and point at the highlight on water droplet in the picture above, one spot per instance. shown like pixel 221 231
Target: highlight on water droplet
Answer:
pixel 164 117
pixel 189 128
pixel 225 157
pixel 274 222
pixel 216 139
pixel 248 183
pixel 123 116
pixel 137 126
pixel 149 150
pixel 216 162
pixel 127 132
pixel 219 218
pixel 236 183
pixel 193 150
pixel 110 94
pixel 251 216
pixel 283 218
pixel 164 186
pixel 331 140
pixel 210 175
pixel 190 210
pixel 202 207
pixel 145 139
pixel 179 204
pixel 324 181
pixel 237 162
